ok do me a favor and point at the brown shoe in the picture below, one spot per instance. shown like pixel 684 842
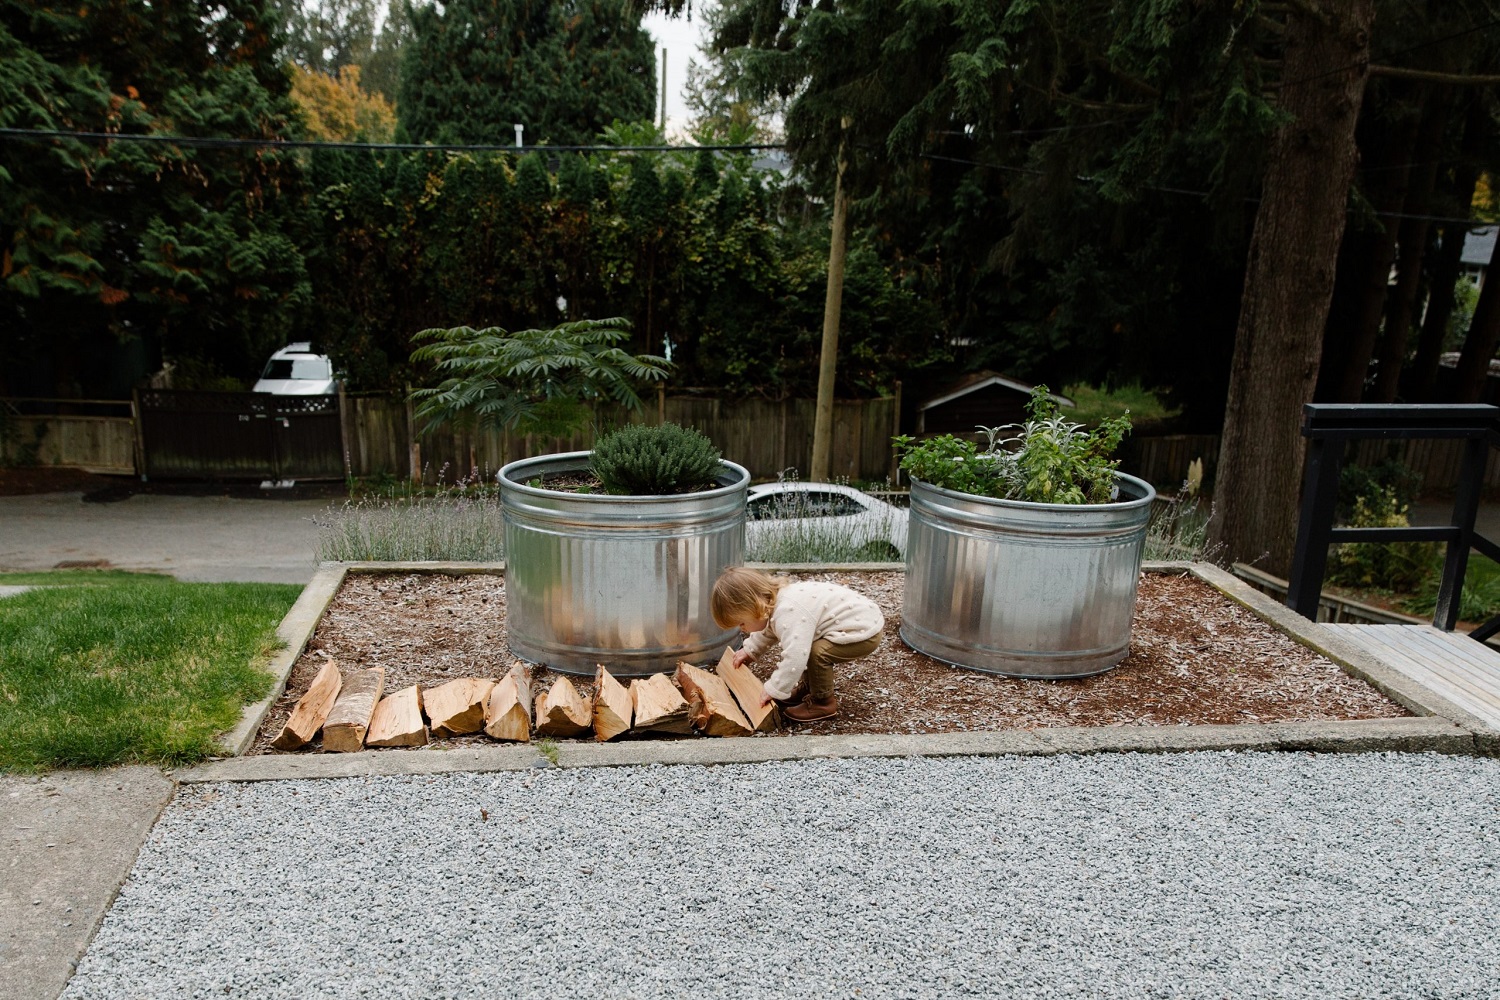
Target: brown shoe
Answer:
pixel 813 710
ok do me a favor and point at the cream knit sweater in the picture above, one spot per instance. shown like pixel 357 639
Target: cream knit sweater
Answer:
pixel 806 611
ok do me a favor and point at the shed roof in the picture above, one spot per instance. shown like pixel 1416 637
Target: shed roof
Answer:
pixel 980 380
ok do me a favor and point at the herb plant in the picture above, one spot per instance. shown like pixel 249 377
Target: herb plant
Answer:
pixel 637 460
pixel 1047 459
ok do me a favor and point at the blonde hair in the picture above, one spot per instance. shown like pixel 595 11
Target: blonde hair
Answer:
pixel 742 594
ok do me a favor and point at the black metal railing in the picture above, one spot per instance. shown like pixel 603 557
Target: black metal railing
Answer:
pixel 1328 428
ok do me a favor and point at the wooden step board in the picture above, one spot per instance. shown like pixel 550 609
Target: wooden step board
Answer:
pixel 1449 664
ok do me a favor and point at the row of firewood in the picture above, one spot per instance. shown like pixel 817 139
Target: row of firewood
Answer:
pixel 351 713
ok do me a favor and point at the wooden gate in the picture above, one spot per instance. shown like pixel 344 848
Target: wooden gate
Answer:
pixel 239 435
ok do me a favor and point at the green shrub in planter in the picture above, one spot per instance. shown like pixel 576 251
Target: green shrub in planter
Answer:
pixel 1048 460
pixel 637 460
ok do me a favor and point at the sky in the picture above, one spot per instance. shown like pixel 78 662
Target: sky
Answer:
pixel 680 37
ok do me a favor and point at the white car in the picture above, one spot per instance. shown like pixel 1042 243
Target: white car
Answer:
pixel 296 370
pixel 817 522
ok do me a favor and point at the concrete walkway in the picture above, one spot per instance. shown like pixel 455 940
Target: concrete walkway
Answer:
pixel 69 838
pixel 205 539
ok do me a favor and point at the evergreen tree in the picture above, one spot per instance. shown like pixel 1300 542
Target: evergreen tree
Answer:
pixel 118 252
pixel 565 70
pixel 324 36
pixel 382 71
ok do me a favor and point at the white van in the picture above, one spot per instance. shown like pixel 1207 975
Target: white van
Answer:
pixel 296 371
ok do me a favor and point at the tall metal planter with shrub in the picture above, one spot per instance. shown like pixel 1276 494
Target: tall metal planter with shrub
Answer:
pixel 625 581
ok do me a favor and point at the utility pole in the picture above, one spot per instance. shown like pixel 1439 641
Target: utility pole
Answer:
pixel 664 90
pixel 833 303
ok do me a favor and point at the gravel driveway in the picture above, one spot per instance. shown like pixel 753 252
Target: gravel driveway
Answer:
pixel 1191 875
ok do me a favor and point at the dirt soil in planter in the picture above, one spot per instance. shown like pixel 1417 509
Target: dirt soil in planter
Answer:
pixel 1195 657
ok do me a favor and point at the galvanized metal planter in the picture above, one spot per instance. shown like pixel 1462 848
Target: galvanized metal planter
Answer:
pixel 1023 589
pixel 623 581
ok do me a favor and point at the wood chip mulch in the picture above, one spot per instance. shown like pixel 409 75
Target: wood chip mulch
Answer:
pixel 1195 658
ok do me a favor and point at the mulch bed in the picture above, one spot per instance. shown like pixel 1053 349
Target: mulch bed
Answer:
pixel 1195 658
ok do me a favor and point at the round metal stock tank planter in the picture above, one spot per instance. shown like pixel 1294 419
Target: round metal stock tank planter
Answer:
pixel 1023 589
pixel 623 581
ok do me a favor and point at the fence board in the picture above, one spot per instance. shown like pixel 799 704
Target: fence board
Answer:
pixel 766 436
pixel 94 444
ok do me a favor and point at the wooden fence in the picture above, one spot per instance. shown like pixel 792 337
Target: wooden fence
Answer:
pixel 104 444
pixel 765 436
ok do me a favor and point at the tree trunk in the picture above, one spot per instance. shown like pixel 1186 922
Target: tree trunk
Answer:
pixel 1289 281
pixel 1446 267
pixel 1484 337
pixel 1412 250
pixel 1347 384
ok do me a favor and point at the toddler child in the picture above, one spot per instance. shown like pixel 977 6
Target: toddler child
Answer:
pixel 818 625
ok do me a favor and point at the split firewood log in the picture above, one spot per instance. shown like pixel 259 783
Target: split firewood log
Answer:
pixel 397 721
pixel 349 719
pixel 457 707
pixel 714 709
pixel 507 715
pixel 311 710
pixel 659 706
pixel 613 708
pixel 562 711
pixel 749 692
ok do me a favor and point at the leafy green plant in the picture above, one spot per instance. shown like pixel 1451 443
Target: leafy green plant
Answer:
pixel 1094 404
pixel 637 460
pixel 1392 566
pixel 1048 459
pixel 535 381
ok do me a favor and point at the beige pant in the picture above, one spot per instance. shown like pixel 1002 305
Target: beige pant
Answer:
pixel 825 654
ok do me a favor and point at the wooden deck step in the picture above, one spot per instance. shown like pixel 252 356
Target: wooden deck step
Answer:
pixel 1450 664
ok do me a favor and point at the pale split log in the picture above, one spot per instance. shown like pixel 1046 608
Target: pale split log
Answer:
pixel 457 707
pixel 507 715
pixel 349 720
pixel 397 721
pixel 613 709
pixel 715 712
pixel 311 710
pixel 562 711
pixel 750 693
pixel 659 706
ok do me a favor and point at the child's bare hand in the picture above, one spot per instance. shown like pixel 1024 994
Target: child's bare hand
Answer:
pixel 741 657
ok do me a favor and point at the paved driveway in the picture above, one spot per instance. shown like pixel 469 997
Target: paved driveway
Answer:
pixel 210 539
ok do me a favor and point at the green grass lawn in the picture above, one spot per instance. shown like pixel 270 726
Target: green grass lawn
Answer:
pixel 102 668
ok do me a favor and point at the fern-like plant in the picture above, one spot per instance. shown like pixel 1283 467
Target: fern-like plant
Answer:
pixel 534 381
pixel 637 460
pixel 1048 459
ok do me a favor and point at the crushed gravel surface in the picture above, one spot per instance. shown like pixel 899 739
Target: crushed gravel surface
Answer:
pixel 1193 875
pixel 1196 657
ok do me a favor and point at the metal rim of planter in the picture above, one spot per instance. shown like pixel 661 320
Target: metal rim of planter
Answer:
pixel 620 580
pixel 1023 589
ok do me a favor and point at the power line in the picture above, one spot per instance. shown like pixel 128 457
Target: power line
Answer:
pixel 1472 30
pixel 1471 223
pixel 214 142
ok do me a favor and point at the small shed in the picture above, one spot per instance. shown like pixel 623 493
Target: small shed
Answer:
pixel 983 398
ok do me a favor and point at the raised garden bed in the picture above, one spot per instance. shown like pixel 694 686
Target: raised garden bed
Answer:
pixel 1196 657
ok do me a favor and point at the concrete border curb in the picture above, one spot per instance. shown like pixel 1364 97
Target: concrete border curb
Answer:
pixel 1350 658
pixel 295 629
pixel 1409 735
